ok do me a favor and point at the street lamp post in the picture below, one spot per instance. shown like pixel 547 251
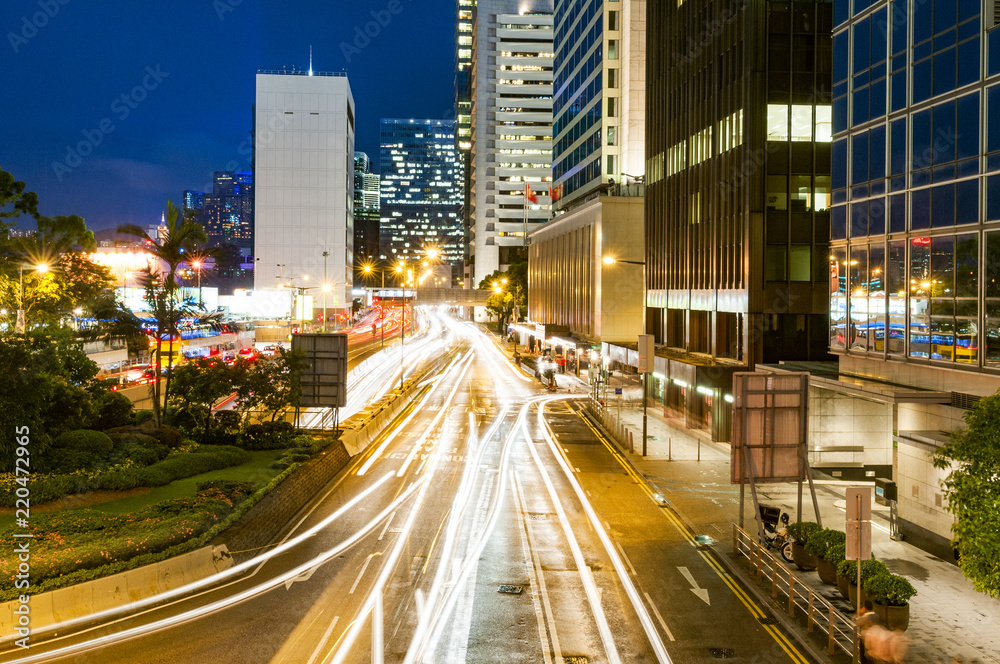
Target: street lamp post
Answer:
pixel 197 266
pixel 610 260
pixel 326 289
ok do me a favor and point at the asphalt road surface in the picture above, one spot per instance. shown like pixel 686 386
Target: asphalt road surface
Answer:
pixel 489 523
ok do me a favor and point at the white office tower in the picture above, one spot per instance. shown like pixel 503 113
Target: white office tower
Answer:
pixel 304 168
pixel 511 128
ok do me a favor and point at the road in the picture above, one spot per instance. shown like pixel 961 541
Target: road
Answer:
pixel 490 523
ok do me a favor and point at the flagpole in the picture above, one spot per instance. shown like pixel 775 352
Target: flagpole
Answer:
pixel 526 218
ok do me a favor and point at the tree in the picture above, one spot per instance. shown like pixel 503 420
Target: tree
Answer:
pixel 509 293
pixel 200 384
pixel 272 383
pixel 46 382
pixel 973 492
pixel 183 236
pixel 14 200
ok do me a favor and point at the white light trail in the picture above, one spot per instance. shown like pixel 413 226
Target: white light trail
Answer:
pixel 220 576
pixel 233 600
pixel 644 618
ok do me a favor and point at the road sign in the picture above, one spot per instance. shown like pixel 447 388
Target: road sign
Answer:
pixel 859 524
pixel 618 390
pixel 646 352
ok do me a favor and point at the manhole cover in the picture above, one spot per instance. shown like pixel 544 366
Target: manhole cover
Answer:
pixel 722 653
pixel 575 659
pixel 510 590
pixel 767 620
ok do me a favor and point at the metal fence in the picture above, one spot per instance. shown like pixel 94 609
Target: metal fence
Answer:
pixel 838 629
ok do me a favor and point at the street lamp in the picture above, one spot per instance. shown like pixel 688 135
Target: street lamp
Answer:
pixel 197 267
pixel 21 325
pixel 611 260
pixel 368 269
pixel 326 289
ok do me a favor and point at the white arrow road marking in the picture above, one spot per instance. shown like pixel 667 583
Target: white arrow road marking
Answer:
pixel 702 593
pixel 305 576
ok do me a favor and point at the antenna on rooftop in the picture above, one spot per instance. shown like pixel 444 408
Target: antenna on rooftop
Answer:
pixel 310 60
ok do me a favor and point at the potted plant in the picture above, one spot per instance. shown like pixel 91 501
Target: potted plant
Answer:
pixel 817 545
pixel 800 532
pixel 890 595
pixel 836 555
pixel 849 570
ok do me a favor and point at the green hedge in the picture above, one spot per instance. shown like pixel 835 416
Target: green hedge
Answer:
pixel 83 575
pixel 78 450
pixel 801 531
pixel 268 436
pixel 821 540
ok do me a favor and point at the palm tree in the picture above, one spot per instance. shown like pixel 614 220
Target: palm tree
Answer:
pixel 183 236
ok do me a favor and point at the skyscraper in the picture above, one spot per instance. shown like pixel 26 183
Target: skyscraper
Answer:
pixel 599 111
pixel 227 211
pixel 914 266
pixel 463 116
pixel 421 191
pixel 599 95
pixel 304 159
pixel 367 213
pixel 511 128
pixel 737 191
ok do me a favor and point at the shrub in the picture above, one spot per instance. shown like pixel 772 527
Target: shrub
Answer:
pixel 82 449
pixel 279 465
pixel 834 554
pixel 869 568
pixel 801 531
pixel 144 416
pixel 139 455
pixel 206 458
pixel 114 409
pixel 821 540
pixel 296 458
pixel 165 435
pixel 229 420
pixel 269 436
pixel 889 589
pixel 219 437
pixel 230 488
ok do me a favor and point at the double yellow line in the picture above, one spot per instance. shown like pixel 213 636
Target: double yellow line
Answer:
pixel 755 610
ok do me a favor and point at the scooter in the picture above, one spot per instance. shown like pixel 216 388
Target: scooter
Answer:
pixel 775 531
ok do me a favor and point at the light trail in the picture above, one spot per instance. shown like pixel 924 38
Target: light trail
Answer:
pixel 640 608
pixel 219 576
pixel 227 602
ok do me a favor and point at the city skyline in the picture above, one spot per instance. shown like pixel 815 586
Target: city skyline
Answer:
pixel 152 146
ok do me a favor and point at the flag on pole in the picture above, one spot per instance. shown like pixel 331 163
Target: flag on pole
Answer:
pixel 529 195
pixel 555 193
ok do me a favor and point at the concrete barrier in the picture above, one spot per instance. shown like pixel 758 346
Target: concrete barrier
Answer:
pixel 89 597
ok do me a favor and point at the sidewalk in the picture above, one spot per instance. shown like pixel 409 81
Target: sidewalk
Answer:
pixel 948 617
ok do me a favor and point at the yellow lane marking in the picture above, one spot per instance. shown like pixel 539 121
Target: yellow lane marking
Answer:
pixel 685 531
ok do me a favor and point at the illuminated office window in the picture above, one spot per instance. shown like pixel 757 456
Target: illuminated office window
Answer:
pixel 777 122
pixel 802 123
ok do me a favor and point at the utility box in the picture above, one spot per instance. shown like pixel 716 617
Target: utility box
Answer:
pixel 885 491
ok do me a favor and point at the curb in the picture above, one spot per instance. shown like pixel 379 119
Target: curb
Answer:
pixel 735 570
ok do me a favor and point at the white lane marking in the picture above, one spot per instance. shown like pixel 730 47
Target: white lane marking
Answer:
pixel 362 572
pixel 536 575
pixel 663 623
pixel 625 558
pixel 577 469
pixel 633 594
pixel 323 640
pixel 702 593
pixel 382 534
pixel 593 596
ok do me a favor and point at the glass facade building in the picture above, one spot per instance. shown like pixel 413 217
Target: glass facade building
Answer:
pixel 367 211
pixel 421 191
pixel 915 226
pixel 226 212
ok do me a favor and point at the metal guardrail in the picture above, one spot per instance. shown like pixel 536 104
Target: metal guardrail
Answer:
pixel 801 598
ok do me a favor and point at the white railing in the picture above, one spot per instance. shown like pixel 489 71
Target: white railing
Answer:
pixel 801 598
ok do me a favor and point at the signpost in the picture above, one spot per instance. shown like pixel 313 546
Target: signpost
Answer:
pixel 646 352
pixel 859 543
pixel 324 381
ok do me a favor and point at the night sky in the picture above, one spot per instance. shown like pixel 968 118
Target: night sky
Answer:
pixel 186 69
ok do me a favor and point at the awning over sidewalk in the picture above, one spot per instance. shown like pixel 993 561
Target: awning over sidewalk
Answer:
pixel 825 375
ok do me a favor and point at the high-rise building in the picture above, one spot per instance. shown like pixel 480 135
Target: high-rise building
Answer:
pixel 598 107
pixel 737 192
pixel 599 95
pixel 463 116
pixel 226 212
pixel 421 191
pixel 304 161
pixel 511 129
pixel 367 215
pixel 914 264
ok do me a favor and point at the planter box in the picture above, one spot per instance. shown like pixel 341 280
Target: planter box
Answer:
pixel 893 617
pixel 827 572
pixel 843 586
pixel 804 561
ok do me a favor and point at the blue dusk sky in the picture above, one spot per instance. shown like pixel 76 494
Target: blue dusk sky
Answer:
pixel 158 93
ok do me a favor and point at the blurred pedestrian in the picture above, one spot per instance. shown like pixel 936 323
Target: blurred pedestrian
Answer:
pixel 865 619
